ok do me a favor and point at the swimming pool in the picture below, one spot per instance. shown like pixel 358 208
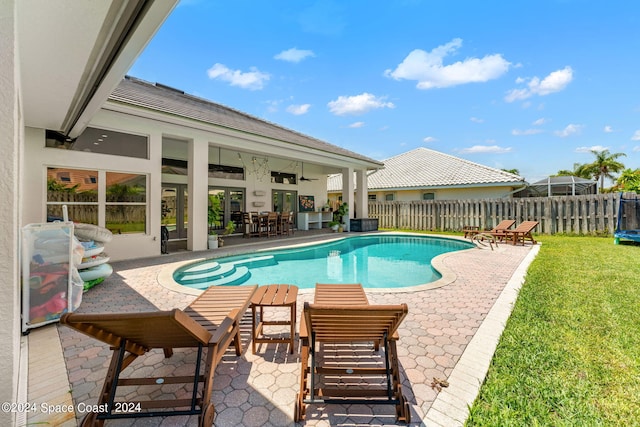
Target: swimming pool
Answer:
pixel 376 261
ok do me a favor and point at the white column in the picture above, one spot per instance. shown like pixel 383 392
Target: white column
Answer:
pixel 11 145
pixel 198 194
pixel 362 193
pixel 347 193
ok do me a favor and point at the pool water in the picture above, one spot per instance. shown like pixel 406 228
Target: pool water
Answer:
pixel 375 261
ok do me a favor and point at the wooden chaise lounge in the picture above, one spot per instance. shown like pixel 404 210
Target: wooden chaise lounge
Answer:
pixel 497 231
pixel 522 232
pixel 209 324
pixel 341 315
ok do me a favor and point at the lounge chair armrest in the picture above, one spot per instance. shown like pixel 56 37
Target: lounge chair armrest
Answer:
pixel 226 327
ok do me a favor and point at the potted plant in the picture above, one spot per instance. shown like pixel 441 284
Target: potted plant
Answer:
pixel 228 230
pixel 341 215
pixel 213 217
pixel 334 225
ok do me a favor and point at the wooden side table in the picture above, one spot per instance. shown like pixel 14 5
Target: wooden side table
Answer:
pixel 273 296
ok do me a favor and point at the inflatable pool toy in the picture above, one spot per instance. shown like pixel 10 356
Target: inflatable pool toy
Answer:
pixel 92 232
pixel 93 261
pixel 91 283
pixel 100 271
pixel 92 248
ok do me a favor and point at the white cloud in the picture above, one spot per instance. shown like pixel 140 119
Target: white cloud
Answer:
pixel 590 149
pixel 518 132
pixel 476 120
pixel 430 139
pixel 636 148
pixel 539 122
pixel 294 55
pixel 496 149
pixel 356 125
pixel 428 70
pixel 636 136
pixel 252 80
pixel 554 82
pixel 357 104
pixel 571 129
pixel 608 129
pixel 298 109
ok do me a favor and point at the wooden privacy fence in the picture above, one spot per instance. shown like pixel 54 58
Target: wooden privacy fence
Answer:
pixel 588 214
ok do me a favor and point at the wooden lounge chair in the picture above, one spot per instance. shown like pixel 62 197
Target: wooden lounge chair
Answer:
pixel 341 315
pixel 210 323
pixel 522 232
pixel 497 231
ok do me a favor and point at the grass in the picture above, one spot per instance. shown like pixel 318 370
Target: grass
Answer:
pixel 570 352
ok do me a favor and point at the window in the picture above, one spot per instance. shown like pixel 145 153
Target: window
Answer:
pixel 181 167
pixel 389 197
pixel 428 196
pixel 126 203
pixel 102 141
pixel 372 197
pixel 75 189
pixel 226 172
pixel 283 178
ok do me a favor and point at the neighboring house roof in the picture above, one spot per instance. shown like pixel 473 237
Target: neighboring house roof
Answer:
pixel 425 168
pixel 171 101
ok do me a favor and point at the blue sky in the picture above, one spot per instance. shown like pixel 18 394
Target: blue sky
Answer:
pixel 527 85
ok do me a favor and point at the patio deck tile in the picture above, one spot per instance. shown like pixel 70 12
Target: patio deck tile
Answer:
pixel 450 332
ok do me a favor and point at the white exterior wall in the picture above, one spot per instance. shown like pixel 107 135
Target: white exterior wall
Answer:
pixel 128 246
pixel 447 193
pixel 11 138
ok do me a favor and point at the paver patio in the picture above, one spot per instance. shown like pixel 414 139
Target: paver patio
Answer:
pixel 450 332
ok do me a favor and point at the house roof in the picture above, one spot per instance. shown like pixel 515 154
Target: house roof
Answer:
pixel 171 101
pixel 425 168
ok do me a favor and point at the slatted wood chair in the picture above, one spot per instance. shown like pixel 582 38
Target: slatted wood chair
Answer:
pixel 209 324
pixel 343 316
pixel 272 224
pixel 522 232
pixel 500 230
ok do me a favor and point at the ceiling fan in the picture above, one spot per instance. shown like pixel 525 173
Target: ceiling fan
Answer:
pixel 302 178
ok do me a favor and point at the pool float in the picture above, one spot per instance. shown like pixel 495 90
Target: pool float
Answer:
pixel 92 232
pixel 93 261
pixel 92 248
pixel 91 283
pixel 100 271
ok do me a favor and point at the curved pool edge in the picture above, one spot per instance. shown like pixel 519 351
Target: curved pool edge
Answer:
pixel 165 275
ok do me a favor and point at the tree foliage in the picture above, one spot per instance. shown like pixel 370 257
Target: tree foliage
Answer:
pixel 605 165
pixel 628 181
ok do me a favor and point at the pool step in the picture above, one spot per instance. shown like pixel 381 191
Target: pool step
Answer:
pixel 204 267
pixel 239 275
pixel 261 261
pixel 223 270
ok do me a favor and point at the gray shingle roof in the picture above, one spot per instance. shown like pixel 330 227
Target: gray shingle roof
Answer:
pixel 425 168
pixel 167 100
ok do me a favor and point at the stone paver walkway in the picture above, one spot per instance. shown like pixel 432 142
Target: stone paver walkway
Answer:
pixel 259 390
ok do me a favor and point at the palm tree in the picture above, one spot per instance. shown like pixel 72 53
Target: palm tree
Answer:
pixel 579 170
pixel 512 171
pixel 605 165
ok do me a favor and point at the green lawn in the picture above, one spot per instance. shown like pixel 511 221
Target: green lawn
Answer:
pixel 570 353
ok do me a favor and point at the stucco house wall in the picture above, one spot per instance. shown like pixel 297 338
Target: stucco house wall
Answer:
pixel 168 140
pixel 11 124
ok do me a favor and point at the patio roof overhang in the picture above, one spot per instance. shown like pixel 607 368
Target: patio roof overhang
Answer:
pixel 333 159
pixel 74 53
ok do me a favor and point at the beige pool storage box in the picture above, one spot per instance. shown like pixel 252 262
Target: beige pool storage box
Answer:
pixel 51 285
